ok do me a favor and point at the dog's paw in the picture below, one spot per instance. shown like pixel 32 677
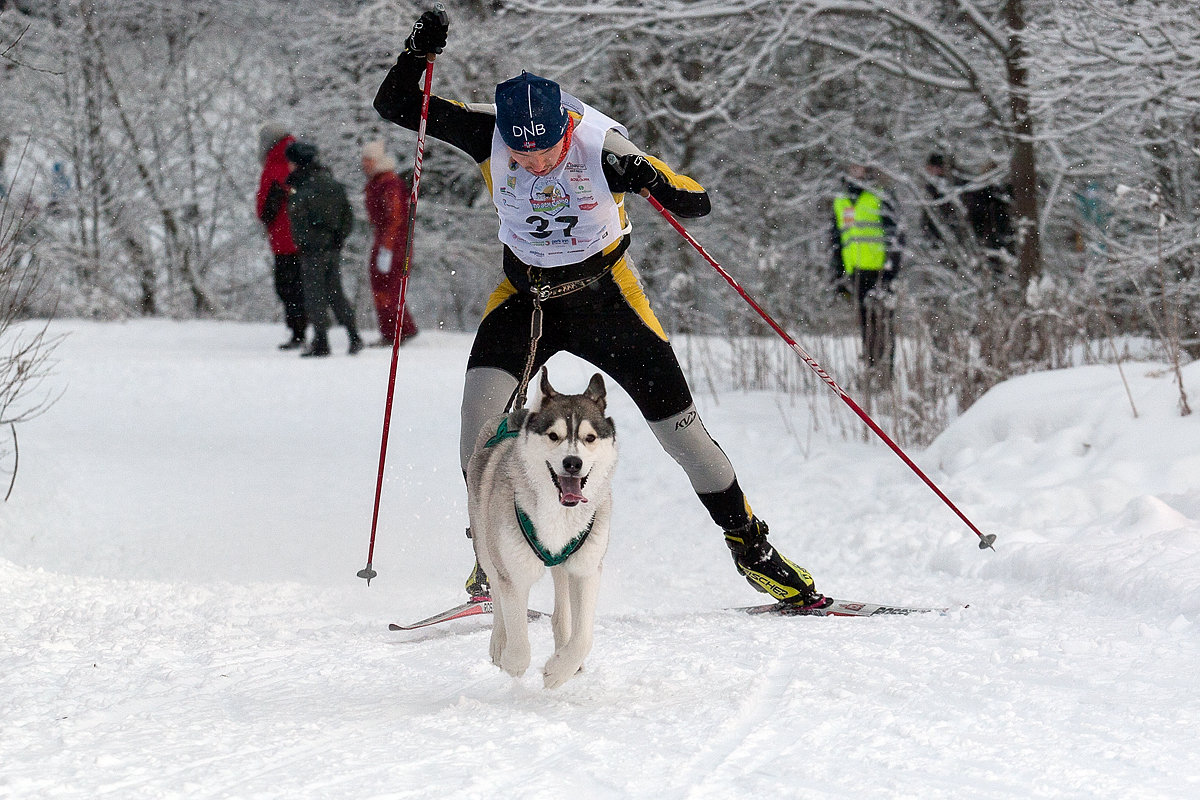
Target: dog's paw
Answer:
pixel 514 663
pixel 559 670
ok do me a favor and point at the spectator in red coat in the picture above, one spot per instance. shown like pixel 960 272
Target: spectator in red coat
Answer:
pixel 387 197
pixel 273 140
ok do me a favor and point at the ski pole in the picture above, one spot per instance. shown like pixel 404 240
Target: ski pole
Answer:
pixel 368 572
pixel 985 541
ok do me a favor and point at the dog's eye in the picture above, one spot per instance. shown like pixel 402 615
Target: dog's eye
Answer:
pixel 552 436
pixel 591 437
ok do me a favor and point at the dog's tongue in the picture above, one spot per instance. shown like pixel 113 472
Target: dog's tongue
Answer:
pixel 570 490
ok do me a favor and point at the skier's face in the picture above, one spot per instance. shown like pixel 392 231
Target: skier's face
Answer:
pixel 539 162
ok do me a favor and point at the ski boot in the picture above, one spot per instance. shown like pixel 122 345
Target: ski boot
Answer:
pixel 766 569
pixel 477 585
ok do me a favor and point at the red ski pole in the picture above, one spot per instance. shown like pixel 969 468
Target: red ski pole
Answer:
pixel 368 572
pixel 985 541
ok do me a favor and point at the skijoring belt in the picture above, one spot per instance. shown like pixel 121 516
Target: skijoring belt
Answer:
pixel 547 283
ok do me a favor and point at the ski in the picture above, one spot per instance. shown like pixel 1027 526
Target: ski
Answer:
pixel 471 608
pixel 829 607
pixel 826 607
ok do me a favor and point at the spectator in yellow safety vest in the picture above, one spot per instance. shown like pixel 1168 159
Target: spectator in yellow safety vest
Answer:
pixel 866 244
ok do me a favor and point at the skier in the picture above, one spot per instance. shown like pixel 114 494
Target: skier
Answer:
pixel 557 171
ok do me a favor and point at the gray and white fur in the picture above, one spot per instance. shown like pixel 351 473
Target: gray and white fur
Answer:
pixel 547 471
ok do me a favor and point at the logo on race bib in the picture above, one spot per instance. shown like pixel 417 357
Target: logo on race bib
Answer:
pixel 549 197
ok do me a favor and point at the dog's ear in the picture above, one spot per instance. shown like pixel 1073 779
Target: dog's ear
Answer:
pixel 595 391
pixel 547 390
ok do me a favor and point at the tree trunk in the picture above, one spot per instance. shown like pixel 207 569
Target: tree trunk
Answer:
pixel 1023 167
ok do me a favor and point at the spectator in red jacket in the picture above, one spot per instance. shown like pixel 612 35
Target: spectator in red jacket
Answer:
pixel 387 197
pixel 273 140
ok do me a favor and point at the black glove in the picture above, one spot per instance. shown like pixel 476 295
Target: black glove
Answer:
pixel 634 173
pixel 428 35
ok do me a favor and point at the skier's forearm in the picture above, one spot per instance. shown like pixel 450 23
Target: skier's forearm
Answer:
pixel 399 100
pixel 677 193
pixel 399 97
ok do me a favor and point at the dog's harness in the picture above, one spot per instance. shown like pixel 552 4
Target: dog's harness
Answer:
pixel 501 434
pixel 526 524
pixel 548 558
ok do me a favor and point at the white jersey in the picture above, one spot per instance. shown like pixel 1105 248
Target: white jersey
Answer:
pixel 568 215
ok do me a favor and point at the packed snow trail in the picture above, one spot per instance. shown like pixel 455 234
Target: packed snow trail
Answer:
pixel 182 616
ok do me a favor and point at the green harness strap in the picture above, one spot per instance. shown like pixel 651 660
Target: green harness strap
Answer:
pixel 501 434
pixel 545 555
pixel 548 558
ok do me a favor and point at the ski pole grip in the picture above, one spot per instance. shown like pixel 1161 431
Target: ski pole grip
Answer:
pixel 441 10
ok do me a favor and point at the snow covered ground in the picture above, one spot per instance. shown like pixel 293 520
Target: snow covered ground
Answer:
pixel 182 619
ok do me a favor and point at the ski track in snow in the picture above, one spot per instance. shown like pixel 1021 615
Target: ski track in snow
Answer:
pixel 183 621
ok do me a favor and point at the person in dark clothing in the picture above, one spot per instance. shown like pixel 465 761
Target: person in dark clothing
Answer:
pixel 321 220
pixel 865 248
pixel 988 212
pixel 943 218
pixel 558 171
pixel 273 140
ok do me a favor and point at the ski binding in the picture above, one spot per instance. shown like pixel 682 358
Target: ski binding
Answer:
pixel 830 607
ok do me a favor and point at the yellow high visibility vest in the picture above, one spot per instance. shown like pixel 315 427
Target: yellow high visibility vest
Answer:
pixel 861 227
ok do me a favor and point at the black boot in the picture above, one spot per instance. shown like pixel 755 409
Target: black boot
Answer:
pixel 294 343
pixel 356 342
pixel 319 347
pixel 766 569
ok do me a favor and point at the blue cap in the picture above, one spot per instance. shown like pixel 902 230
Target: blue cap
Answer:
pixel 529 113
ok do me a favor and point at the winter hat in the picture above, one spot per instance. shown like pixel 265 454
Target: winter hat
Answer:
pixel 529 113
pixel 378 158
pixel 301 153
pixel 270 135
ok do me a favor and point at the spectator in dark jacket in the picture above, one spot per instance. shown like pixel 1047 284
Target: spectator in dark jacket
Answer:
pixel 321 220
pixel 991 221
pixel 942 217
pixel 273 140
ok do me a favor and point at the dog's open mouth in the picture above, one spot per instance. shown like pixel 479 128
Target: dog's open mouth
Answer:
pixel 570 487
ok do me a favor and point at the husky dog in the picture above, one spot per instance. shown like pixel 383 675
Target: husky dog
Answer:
pixel 539 489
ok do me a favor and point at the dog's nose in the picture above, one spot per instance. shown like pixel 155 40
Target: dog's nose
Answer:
pixel 572 464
